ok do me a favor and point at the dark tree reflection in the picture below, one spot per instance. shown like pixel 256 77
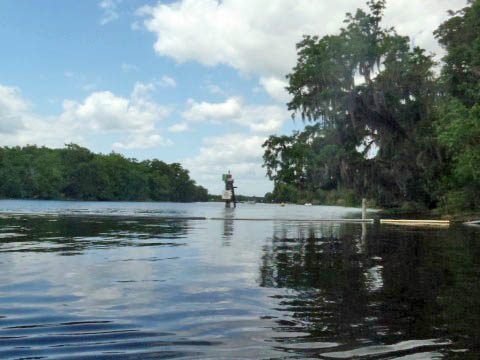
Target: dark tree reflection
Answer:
pixel 228 226
pixel 69 235
pixel 392 285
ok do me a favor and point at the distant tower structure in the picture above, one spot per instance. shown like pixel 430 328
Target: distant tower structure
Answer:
pixel 229 192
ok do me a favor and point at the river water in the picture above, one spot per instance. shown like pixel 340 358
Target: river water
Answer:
pixel 91 280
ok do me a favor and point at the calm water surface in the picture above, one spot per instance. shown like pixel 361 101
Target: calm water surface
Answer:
pixel 126 281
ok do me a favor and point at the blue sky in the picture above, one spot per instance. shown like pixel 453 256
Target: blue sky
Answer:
pixel 199 82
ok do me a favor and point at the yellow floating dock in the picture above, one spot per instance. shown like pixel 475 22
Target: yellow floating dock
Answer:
pixel 414 222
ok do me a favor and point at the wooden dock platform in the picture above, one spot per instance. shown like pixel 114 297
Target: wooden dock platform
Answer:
pixel 415 222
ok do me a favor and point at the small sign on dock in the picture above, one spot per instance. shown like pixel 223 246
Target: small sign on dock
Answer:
pixel 227 195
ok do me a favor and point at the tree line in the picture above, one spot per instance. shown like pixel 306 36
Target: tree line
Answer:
pixel 76 173
pixel 385 121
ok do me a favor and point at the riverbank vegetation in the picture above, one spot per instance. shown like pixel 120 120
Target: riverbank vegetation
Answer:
pixel 75 173
pixel 386 122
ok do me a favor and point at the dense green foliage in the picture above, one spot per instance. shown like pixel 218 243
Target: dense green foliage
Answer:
pixel 385 126
pixel 76 173
pixel 458 127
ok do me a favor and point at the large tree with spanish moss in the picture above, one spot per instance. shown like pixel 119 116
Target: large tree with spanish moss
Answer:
pixel 370 96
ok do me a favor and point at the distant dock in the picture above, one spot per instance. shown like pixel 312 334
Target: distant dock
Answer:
pixel 297 220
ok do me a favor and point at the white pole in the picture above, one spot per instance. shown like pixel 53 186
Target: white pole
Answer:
pixel 364 209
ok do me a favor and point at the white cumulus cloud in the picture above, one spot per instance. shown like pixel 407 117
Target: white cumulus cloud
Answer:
pixel 13 110
pixel 215 112
pixel 233 32
pixel 262 118
pixel 275 87
pixel 104 111
pixel 134 119
pixel 258 118
pixel 20 126
pixel 259 37
pixel 177 128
